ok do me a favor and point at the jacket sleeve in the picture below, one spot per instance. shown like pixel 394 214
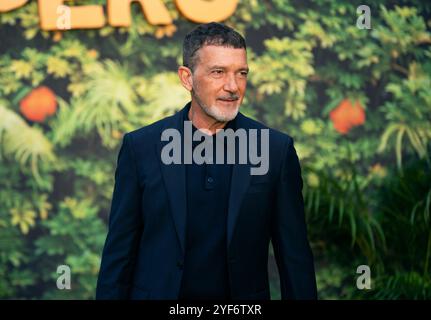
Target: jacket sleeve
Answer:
pixel 125 227
pixel 289 233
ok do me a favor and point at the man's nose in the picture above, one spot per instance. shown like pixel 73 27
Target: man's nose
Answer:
pixel 231 84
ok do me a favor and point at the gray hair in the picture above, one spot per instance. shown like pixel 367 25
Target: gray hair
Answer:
pixel 212 33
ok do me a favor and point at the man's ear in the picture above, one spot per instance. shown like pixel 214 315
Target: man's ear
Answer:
pixel 185 75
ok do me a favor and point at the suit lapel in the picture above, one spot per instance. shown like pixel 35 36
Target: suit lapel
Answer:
pixel 240 181
pixel 174 177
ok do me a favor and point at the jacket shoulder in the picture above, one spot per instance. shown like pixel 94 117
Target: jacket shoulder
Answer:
pixel 276 136
pixel 151 131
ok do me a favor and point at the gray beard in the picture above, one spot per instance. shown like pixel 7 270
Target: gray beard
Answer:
pixel 211 111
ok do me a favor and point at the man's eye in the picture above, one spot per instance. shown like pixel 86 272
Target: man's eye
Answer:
pixel 244 73
pixel 217 72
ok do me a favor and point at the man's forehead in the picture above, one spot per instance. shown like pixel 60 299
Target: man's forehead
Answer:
pixel 220 48
pixel 222 55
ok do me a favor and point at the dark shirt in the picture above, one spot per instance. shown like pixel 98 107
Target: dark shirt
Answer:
pixel 205 274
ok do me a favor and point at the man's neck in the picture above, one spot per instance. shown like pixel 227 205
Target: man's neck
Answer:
pixel 202 121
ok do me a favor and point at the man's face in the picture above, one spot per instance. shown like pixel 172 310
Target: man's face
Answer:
pixel 220 81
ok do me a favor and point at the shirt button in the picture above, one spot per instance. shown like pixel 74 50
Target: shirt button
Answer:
pixel 210 180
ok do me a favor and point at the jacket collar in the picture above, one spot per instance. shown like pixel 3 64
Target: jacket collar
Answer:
pixel 174 177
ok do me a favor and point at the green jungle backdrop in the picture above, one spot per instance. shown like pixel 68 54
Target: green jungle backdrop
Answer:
pixel 356 101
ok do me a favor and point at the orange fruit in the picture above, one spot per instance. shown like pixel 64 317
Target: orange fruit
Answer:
pixel 347 115
pixel 39 104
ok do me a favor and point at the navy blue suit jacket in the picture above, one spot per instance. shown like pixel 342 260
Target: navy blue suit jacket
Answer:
pixel 145 246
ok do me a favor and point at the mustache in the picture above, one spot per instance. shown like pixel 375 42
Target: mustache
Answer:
pixel 231 97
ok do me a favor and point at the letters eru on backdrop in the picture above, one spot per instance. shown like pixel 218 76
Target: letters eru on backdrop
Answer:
pixel 118 11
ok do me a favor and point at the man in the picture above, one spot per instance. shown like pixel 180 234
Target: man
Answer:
pixel 201 230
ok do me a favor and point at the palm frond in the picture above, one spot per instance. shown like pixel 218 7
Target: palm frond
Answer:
pixel 109 101
pixel 414 137
pixel 163 94
pixel 27 145
pixel 403 285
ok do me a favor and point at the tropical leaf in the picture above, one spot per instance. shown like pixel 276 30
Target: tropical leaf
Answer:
pixel 27 145
pixel 109 100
